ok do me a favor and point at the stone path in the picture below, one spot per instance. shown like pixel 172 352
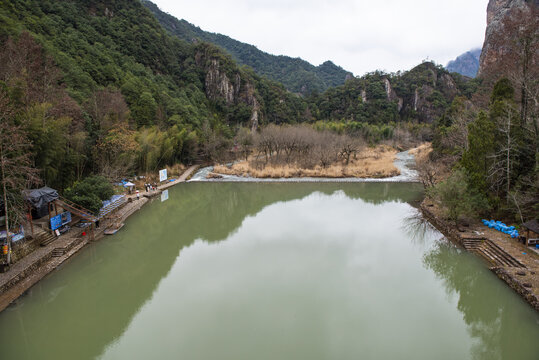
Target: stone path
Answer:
pixel 32 268
pixel 522 276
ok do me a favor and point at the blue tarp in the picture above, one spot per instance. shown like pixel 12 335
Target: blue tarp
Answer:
pixel 60 220
pixel 111 200
pixel 14 237
pixel 500 226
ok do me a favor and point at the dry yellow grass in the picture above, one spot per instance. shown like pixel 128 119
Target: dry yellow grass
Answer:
pixel 421 152
pixel 370 163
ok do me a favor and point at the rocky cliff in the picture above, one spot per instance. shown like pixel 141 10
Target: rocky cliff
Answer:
pixel 225 83
pixel 511 39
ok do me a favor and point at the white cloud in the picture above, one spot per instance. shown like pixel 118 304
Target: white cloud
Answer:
pixel 359 35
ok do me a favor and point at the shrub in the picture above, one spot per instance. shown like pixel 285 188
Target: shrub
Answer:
pixel 90 192
pixel 456 197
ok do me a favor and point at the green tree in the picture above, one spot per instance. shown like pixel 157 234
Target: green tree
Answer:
pixel 145 109
pixel 456 197
pixel 477 158
pixel 90 192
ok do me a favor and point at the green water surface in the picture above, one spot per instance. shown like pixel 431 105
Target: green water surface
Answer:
pixel 273 271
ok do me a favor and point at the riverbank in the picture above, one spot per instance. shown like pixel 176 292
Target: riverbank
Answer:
pixel 511 261
pixel 35 266
pixel 377 162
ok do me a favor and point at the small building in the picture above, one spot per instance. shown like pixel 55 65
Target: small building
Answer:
pixel 39 201
pixel 532 232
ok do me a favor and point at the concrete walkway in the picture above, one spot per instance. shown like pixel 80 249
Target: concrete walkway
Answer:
pixel 32 268
pixel 186 174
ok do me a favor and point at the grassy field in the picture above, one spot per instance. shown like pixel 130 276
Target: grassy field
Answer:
pixel 374 162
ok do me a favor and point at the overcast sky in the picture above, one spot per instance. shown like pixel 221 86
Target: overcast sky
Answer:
pixel 359 35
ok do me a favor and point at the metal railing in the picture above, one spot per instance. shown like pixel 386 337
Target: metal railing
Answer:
pixel 76 209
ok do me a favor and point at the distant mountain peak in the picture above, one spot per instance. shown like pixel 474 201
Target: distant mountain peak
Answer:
pixel 466 64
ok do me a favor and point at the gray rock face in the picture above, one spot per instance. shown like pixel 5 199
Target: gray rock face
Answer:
pixel 219 86
pixel 509 24
pixel 392 95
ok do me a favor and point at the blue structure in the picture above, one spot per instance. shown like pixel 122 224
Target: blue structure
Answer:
pixel 500 226
pixel 60 220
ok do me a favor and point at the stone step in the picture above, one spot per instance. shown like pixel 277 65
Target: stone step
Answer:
pixel 491 252
pixel 57 252
pixel 46 239
pixel 511 261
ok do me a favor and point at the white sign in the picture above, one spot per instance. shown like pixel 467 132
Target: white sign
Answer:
pixel 164 195
pixel 163 175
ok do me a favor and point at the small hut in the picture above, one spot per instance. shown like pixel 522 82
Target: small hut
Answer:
pixel 532 232
pixel 39 200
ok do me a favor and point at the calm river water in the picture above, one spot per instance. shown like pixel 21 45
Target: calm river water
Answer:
pixel 273 271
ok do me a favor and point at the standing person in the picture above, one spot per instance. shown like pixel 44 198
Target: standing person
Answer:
pixel 138 195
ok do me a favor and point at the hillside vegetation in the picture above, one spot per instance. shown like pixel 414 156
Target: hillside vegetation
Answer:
pixel 112 92
pixel 101 88
pixel 295 74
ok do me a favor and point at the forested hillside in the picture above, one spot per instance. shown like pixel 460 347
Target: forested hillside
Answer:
pixel 297 75
pixel 378 103
pixel 491 144
pixel 100 87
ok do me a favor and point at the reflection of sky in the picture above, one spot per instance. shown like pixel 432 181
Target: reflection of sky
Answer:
pixel 253 271
pixel 321 277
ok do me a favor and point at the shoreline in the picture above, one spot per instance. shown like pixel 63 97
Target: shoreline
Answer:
pixel 509 260
pixel 522 278
pixel 31 269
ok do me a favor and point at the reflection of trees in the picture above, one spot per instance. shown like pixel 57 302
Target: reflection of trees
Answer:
pixel 503 329
pixel 111 280
pixel 417 227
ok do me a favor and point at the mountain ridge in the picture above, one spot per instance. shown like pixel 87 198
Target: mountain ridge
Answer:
pixel 296 74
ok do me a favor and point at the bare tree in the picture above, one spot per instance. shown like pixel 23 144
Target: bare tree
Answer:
pixel 349 146
pixel 108 110
pixel 501 170
pixel 326 148
pixel 461 114
pixel 24 63
pixel 214 145
pixel 244 139
pixel 16 172
pixel 427 173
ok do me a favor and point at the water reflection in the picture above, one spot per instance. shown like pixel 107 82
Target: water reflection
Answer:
pixel 501 329
pixel 91 303
pixel 418 228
